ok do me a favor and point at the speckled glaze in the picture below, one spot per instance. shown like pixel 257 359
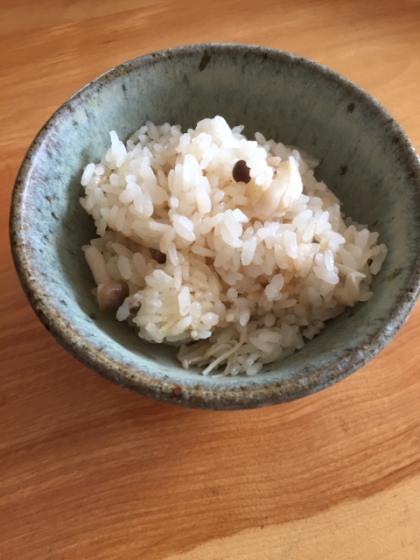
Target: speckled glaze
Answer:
pixel 366 160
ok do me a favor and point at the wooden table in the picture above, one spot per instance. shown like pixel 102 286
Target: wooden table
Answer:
pixel 91 471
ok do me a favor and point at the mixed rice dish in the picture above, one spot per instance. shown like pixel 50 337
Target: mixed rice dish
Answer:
pixel 229 248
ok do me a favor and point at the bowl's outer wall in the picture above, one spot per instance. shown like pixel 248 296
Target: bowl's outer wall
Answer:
pixel 365 159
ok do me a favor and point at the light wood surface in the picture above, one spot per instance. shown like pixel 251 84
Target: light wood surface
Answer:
pixel 91 471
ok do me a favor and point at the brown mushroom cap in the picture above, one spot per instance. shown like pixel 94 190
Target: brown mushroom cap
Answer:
pixel 240 172
pixel 112 295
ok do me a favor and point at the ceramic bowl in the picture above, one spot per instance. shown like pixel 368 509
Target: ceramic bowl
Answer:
pixel 366 159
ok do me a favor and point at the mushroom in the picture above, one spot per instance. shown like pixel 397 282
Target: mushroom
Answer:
pixel 112 295
pixel 240 172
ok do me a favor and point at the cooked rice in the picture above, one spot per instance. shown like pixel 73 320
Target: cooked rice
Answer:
pixel 251 270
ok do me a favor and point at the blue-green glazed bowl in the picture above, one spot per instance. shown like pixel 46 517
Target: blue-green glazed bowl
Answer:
pixel 366 159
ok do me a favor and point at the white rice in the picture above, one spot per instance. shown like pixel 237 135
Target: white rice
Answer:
pixel 251 270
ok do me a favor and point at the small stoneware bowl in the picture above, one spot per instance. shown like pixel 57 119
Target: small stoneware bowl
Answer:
pixel 366 159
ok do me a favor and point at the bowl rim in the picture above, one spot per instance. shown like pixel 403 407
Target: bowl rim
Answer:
pixel 199 396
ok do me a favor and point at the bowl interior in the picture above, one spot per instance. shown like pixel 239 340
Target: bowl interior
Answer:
pixel 365 160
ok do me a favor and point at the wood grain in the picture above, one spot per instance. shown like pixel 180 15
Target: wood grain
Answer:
pixel 88 470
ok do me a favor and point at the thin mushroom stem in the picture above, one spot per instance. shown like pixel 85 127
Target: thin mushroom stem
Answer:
pixel 225 355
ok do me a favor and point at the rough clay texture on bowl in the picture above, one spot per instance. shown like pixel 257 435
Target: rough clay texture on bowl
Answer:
pixel 365 159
